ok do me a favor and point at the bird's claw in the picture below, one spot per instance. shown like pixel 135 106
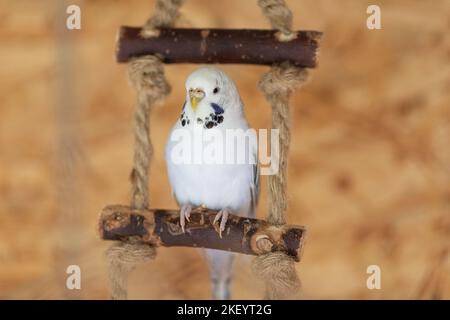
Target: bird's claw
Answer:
pixel 222 215
pixel 185 214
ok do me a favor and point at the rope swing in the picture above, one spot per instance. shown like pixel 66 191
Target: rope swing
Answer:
pixel 140 230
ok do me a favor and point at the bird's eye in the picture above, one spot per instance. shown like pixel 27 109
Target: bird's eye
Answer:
pixel 216 90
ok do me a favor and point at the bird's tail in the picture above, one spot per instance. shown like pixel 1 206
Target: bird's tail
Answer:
pixel 221 272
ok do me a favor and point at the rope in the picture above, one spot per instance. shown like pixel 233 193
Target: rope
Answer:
pixel 277 85
pixel 166 14
pixel 280 17
pixel 123 258
pixel 277 269
pixel 146 75
pixel 278 272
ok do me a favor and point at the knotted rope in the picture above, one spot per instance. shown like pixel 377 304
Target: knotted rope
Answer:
pixel 277 269
pixel 166 13
pixel 280 17
pixel 277 86
pixel 123 258
pixel 146 75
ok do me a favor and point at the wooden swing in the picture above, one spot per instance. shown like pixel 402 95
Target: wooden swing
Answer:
pixel 138 229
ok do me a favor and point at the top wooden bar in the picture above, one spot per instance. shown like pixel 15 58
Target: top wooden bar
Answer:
pixel 205 46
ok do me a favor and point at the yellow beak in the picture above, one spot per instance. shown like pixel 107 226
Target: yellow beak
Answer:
pixel 194 103
pixel 196 95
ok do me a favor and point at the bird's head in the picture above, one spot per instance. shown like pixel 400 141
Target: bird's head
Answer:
pixel 209 89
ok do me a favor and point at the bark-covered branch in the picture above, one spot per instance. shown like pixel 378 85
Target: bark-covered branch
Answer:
pixel 162 228
pixel 242 46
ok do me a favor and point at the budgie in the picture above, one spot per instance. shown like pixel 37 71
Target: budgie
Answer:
pixel 213 105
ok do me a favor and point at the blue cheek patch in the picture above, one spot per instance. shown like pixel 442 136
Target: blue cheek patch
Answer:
pixel 217 109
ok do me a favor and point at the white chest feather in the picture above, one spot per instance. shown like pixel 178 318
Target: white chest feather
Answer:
pixel 215 185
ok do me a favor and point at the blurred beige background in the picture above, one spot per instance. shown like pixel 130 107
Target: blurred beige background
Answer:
pixel 369 166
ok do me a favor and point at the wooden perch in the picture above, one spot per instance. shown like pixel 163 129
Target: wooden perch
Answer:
pixel 162 228
pixel 243 46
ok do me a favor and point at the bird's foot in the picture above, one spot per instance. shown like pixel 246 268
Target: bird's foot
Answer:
pixel 222 215
pixel 185 214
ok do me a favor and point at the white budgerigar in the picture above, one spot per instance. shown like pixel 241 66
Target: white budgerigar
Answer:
pixel 213 103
